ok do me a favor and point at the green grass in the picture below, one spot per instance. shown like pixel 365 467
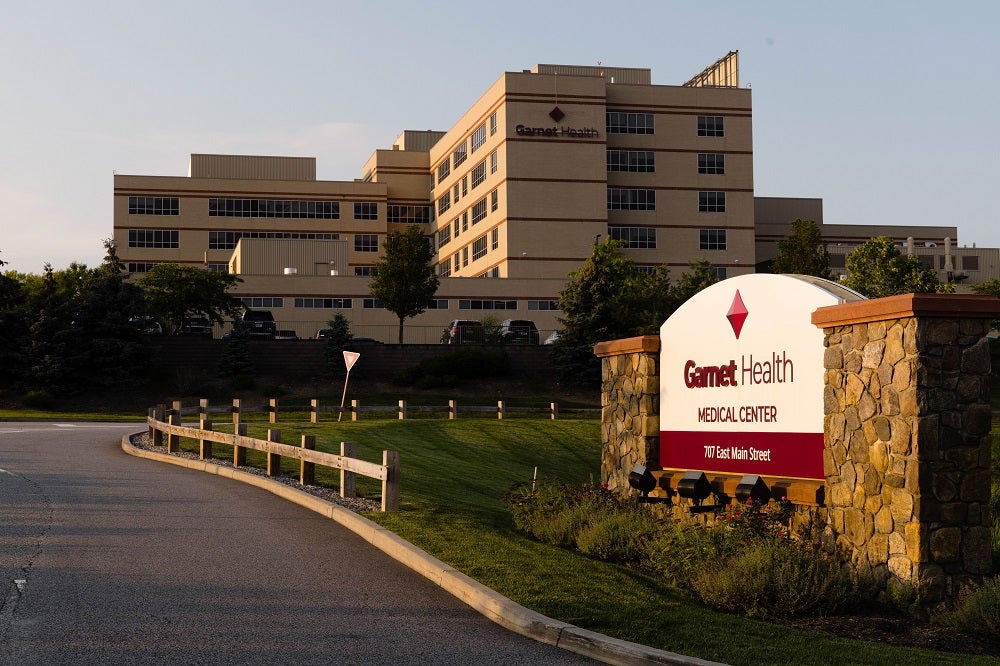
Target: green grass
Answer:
pixel 453 473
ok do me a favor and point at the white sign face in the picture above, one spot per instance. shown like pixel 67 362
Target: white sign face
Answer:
pixel 350 358
pixel 741 377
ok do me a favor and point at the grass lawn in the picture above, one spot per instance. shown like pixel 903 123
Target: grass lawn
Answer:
pixel 453 473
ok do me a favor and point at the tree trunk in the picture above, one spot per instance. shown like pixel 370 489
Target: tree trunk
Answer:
pixel 400 330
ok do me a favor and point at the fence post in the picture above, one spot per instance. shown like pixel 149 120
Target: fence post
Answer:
pixel 174 441
pixel 240 452
pixel 204 445
pixel 355 410
pixel 314 411
pixel 152 430
pixel 273 459
pixel 272 407
pixel 501 409
pixel 237 411
pixel 347 479
pixel 177 410
pixel 554 410
pixel 402 410
pixel 307 470
pixel 452 410
pixel 390 487
pixel 203 408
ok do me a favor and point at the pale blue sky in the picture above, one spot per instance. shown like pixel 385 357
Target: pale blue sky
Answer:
pixel 876 107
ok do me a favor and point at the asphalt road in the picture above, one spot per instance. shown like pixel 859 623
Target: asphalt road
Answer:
pixel 106 558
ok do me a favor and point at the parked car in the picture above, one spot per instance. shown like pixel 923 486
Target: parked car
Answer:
pixel 463 331
pixel 285 335
pixel 519 332
pixel 197 326
pixel 146 325
pixel 259 324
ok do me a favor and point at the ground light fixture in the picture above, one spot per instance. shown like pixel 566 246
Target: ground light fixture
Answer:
pixel 642 480
pixel 752 489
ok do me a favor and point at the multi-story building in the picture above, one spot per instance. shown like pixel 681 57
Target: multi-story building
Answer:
pixel 545 163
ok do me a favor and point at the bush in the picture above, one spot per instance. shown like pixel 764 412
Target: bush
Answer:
pixel 38 399
pixel 978 611
pixel 778 578
pixel 462 364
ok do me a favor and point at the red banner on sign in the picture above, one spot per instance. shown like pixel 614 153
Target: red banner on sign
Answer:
pixel 794 454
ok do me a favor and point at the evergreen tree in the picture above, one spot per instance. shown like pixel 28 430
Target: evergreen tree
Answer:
pixel 333 350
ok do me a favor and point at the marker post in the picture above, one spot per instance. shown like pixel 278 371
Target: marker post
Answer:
pixel 350 358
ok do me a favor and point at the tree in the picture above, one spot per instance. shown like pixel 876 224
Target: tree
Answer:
pixel 877 269
pixel 334 344
pixel 404 279
pixel 989 288
pixel 610 298
pixel 174 293
pixel 803 252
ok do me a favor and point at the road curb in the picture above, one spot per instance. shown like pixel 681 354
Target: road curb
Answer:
pixel 480 598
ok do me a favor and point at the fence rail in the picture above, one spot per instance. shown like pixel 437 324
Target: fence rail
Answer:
pixel 165 429
pixel 402 409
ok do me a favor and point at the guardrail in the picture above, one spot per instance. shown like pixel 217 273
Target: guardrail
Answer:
pixel 166 429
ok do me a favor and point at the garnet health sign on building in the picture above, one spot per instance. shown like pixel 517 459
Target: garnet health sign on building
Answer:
pixel 741 377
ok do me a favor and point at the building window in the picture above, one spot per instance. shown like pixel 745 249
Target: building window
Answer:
pixel 479 304
pixel 153 206
pixel 494 200
pixel 465 256
pixel 365 211
pixel 634 161
pixel 444 268
pixel 444 170
pixel 154 238
pixel 444 203
pixel 444 236
pixel 409 214
pixel 457 261
pixel 325 303
pixel 364 271
pixel 479 174
pixel 479 211
pixel 495 239
pixel 493 124
pixel 465 220
pixel 479 137
pixel 711 126
pixel 226 240
pixel 493 162
pixel 714 163
pixel 622 198
pixel 372 304
pixel 712 239
pixel 139 267
pixel 543 305
pixel 285 208
pixel 460 155
pixel 636 238
pixel 262 302
pixel 438 304
pixel 479 248
pixel 366 242
pixel 217 268
pixel 970 263
pixel 720 272
pixel 456 193
pixel 625 122
pixel 711 202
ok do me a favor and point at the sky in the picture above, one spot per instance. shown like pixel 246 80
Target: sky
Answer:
pixel 874 107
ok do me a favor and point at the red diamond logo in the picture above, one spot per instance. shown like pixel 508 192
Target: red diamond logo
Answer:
pixel 556 114
pixel 737 314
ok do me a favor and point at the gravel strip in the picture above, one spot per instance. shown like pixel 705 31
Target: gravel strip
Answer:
pixel 356 504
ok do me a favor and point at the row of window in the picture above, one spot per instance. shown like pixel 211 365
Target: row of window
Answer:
pixel 226 240
pixel 286 208
pixel 637 198
pixel 643 161
pixel 629 122
pixel 154 206
pixel 269 302
pixel 644 238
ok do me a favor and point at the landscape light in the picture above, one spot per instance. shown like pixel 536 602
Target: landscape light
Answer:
pixel 752 488
pixel 694 486
pixel 642 480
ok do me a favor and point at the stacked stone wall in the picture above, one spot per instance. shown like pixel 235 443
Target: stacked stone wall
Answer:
pixel 907 456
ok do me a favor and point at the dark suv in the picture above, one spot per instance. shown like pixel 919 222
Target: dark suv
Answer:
pixel 463 331
pixel 259 324
pixel 519 332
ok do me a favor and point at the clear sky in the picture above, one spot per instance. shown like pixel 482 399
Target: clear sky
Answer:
pixel 876 107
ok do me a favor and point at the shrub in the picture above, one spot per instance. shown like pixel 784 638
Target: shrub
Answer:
pixel 978 611
pixel 776 578
pixel 617 536
pixel 38 399
pixel 463 364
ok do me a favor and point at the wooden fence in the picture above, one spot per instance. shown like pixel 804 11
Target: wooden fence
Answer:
pixel 165 429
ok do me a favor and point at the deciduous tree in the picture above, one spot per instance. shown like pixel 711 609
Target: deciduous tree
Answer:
pixel 877 269
pixel 404 279
pixel 174 293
